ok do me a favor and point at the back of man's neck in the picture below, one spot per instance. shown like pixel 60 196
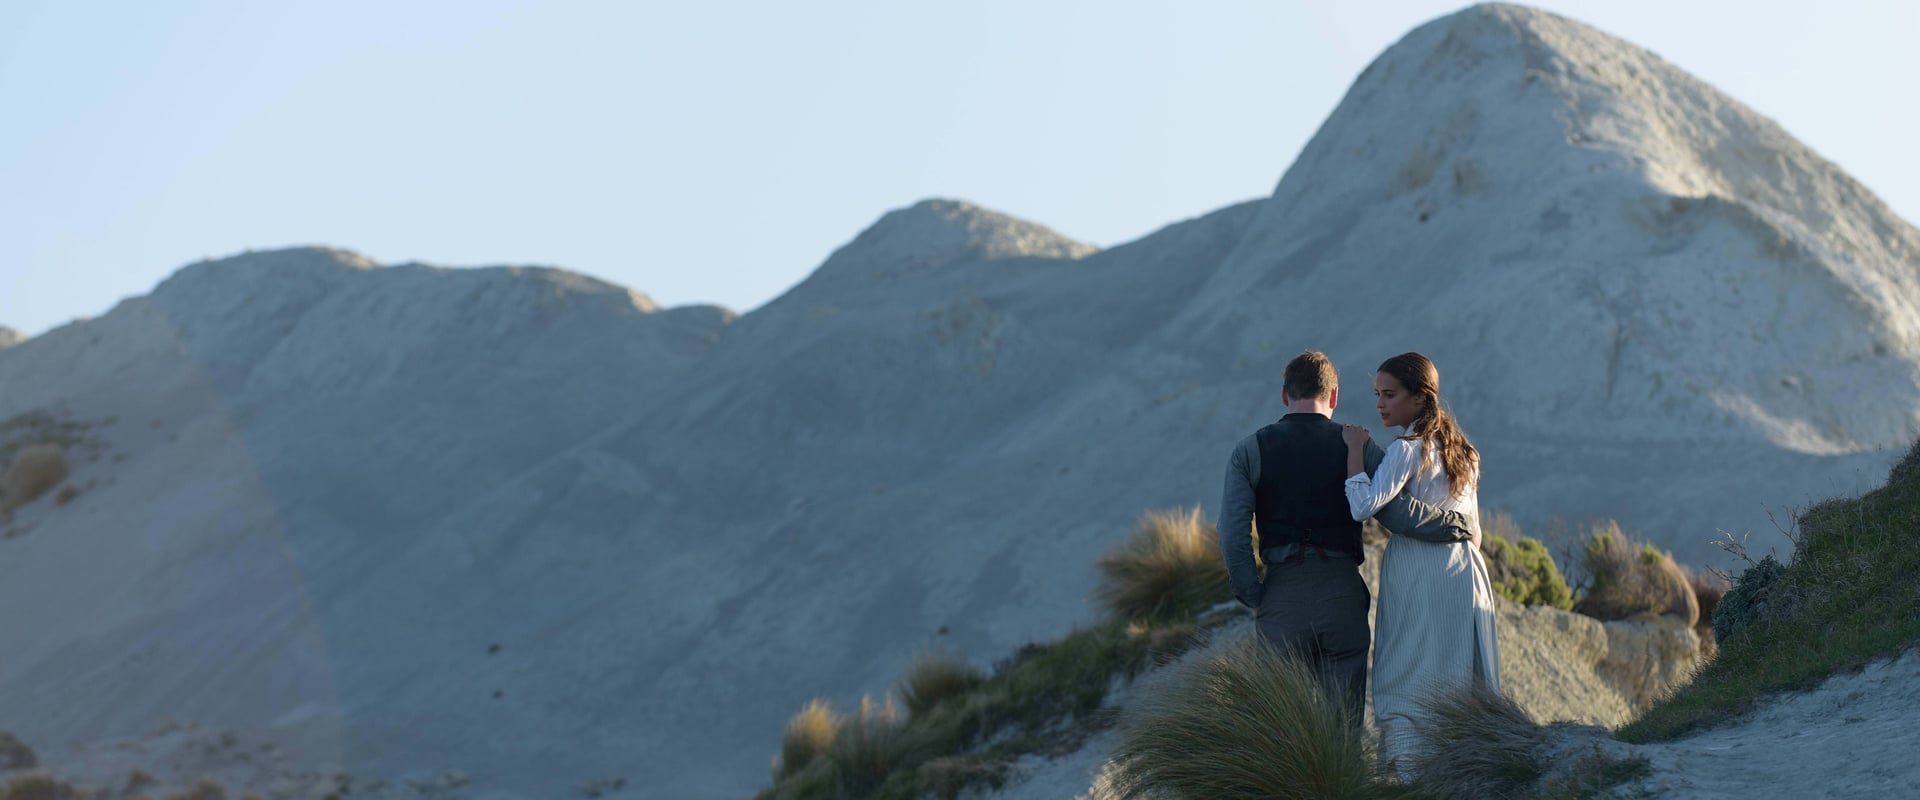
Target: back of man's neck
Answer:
pixel 1311 407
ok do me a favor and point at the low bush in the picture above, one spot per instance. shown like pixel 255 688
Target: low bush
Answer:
pixel 1748 600
pixel 1170 568
pixel 1633 578
pixel 1522 570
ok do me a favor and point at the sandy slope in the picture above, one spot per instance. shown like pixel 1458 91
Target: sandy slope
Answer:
pixel 528 525
pixel 1851 737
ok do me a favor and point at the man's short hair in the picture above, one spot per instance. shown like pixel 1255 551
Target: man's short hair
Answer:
pixel 1310 376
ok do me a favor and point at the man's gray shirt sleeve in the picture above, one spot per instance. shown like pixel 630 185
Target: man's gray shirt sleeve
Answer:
pixel 1236 523
pixel 1416 519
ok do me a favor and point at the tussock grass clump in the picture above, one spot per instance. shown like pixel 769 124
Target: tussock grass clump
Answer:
pixel 1475 742
pixel 1170 568
pixel 870 745
pixel 15 754
pixel 934 678
pixel 1633 578
pixel 35 470
pixel 809 734
pixel 1847 597
pixel 1246 722
pixel 1520 567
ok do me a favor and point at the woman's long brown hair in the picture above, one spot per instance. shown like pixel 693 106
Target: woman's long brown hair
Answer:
pixel 1437 428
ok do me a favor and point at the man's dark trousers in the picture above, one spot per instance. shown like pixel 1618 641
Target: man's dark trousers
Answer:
pixel 1317 610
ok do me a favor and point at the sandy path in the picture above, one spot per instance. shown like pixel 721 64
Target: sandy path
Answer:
pixel 1856 736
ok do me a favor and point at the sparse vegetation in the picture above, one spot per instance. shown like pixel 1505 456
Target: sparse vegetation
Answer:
pixel 1240 722
pixel 1245 722
pixel 1042 699
pixel 1169 569
pixel 35 470
pixel 1848 597
pixel 1632 579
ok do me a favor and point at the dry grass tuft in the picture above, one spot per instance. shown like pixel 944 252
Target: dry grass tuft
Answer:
pixel 1170 568
pixel 1247 722
pixel 1633 578
pixel 809 734
pixel 35 470
pixel 934 678
pixel 1475 742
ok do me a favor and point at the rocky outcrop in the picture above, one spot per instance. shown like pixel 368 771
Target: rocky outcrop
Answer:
pixel 1566 667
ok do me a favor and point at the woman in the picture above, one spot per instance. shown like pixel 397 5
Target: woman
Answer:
pixel 1434 623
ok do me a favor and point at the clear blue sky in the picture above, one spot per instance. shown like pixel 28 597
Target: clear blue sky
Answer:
pixel 718 151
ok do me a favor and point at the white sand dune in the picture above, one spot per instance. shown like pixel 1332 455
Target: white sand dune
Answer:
pixel 527 525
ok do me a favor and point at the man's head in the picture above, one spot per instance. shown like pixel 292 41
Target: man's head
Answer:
pixel 1311 384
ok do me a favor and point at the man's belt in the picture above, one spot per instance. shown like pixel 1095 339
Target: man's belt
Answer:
pixel 1296 552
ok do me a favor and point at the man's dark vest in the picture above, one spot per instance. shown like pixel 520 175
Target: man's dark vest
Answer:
pixel 1301 496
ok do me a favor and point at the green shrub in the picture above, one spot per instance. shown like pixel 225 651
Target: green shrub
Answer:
pixel 1245 722
pixel 1523 571
pixel 1746 602
pixel 1632 578
pixel 932 679
pixel 1170 568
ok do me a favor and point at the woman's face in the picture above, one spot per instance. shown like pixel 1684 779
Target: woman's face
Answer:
pixel 1398 407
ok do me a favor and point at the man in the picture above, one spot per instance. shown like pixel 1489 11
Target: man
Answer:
pixel 1288 478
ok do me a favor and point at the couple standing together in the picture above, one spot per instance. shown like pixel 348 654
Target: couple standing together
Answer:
pixel 1307 482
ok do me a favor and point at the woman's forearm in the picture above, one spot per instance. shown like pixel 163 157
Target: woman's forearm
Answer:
pixel 1356 460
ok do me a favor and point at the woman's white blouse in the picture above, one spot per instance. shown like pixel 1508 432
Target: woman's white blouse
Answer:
pixel 1405 466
